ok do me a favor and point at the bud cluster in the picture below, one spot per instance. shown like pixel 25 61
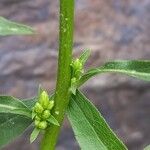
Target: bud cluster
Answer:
pixel 42 110
pixel 77 67
pixel 77 71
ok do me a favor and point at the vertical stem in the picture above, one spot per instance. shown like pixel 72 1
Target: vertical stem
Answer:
pixel 62 94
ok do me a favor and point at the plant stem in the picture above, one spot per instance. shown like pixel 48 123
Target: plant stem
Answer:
pixel 62 94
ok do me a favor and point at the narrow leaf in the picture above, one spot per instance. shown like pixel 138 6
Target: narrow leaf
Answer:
pixel 147 147
pixel 30 102
pixel 84 56
pixel 12 126
pixel 11 28
pixel 53 120
pixel 135 68
pixel 40 90
pixel 25 112
pixel 34 135
pixel 9 104
pixel 73 89
pixel 33 115
pixel 90 128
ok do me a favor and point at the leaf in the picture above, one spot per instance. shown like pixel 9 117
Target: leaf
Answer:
pixel 24 112
pixel 33 115
pixel 11 126
pixel 30 102
pixel 84 56
pixel 53 120
pixel 40 90
pixel 9 104
pixel 135 68
pixel 73 89
pixel 147 147
pixel 34 134
pixel 11 28
pixel 90 128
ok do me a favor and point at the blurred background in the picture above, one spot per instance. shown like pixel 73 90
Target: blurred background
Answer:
pixel 112 29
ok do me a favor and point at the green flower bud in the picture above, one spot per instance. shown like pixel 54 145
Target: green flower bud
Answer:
pixel 78 74
pixel 38 108
pixel 36 122
pixel 50 105
pixel 42 125
pixel 37 118
pixel 77 65
pixel 44 99
pixel 73 81
pixel 46 114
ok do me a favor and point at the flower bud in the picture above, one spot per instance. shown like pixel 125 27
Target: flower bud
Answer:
pixel 36 122
pixel 77 65
pixel 37 118
pixel 46 114
pixel 73 81
pixel 50 105
pixel 38 108
pixel 78 74
pixel 42 125
pixel 44 99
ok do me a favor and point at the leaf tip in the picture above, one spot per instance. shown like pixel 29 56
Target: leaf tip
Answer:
pixel 34 135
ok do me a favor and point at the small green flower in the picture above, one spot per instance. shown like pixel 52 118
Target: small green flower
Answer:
pixel 73 80
pixel 77 69
pixel 36 122
pixel 77 65
pixel 46 114
pixel 37 118
pixel 42 125
pixel 38 108
pixel 50 105
pixel 44 99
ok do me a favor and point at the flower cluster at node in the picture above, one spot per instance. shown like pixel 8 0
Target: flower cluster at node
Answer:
pixel 41 114
pixel 77 68
pixel 42 111
pixel 77 71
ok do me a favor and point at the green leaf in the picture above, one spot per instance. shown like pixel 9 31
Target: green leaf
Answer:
pixel 147 147
pixel 30 102
pixel 90 128
pixel 11 28
pixel 34 134
pixel 9 104
pixel 73 89
pixel 33 115
pixel 135 68
pixel 24 112
pixel 84 56
pixel 40 90
pixel 53 120
pixel 11 126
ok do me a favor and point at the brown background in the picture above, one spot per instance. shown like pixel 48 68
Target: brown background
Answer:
pixel 112 29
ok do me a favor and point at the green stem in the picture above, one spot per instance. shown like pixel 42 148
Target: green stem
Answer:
pixel 62 94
